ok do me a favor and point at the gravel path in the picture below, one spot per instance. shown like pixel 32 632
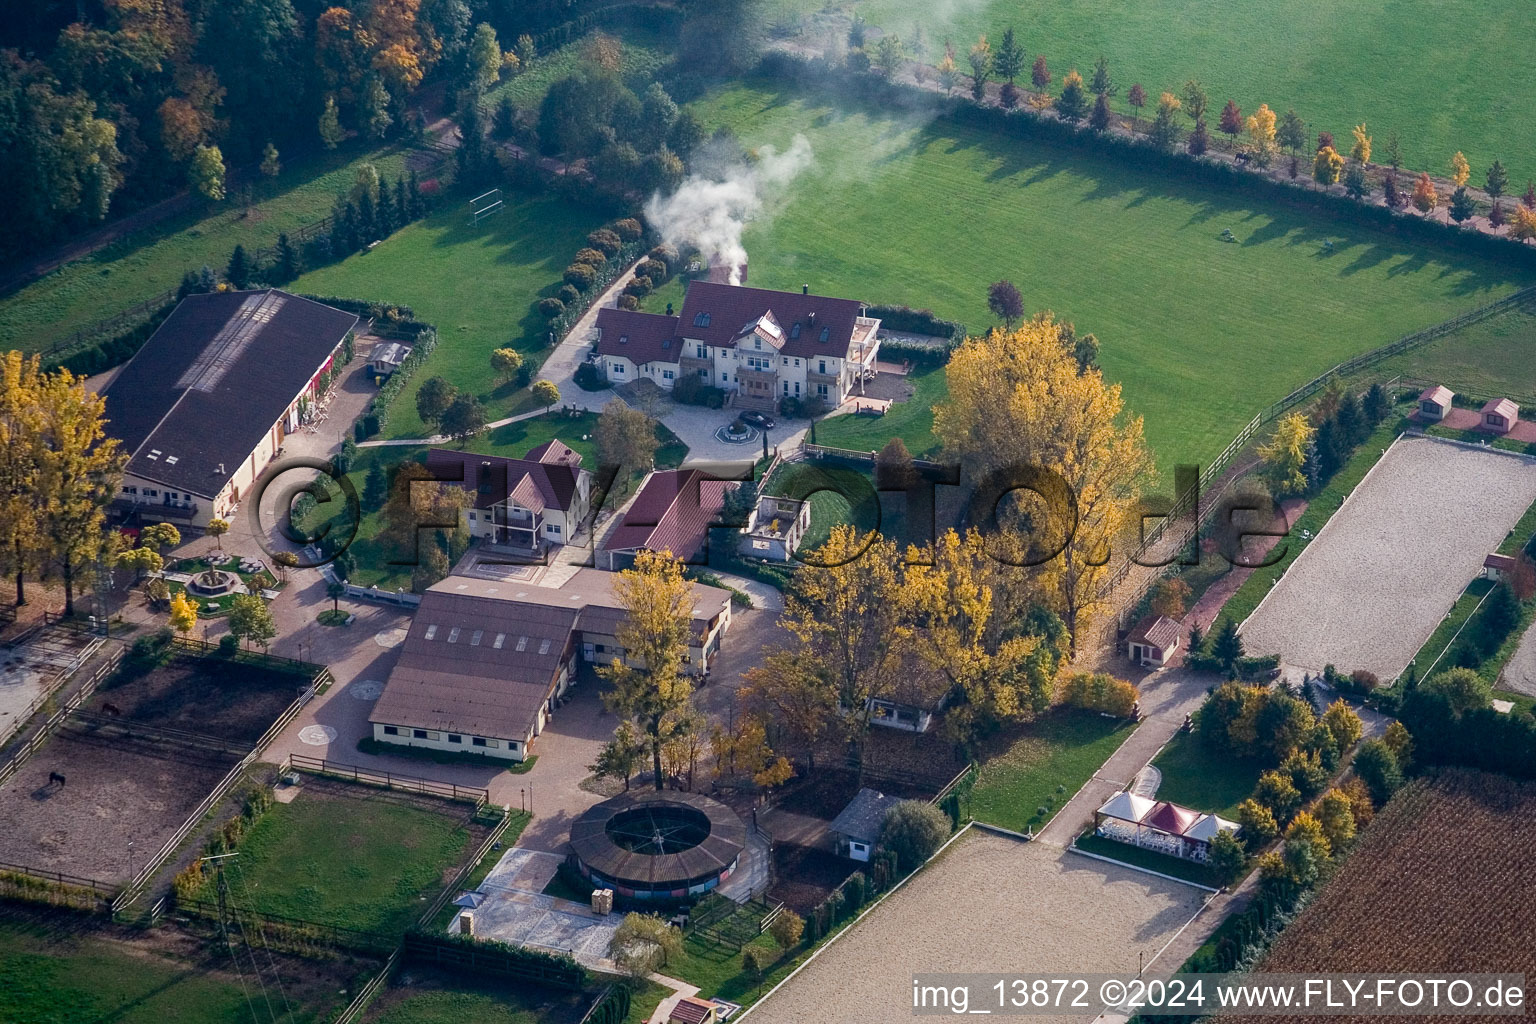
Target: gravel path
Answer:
pixel 988 904
pixel 1520 673
pixel 1371 587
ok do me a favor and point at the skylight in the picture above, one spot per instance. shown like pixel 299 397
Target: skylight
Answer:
pixel 453 635
pixel 544 646
pixel 431 632
pixel 501 638
pixel 474 639
pixel 522 643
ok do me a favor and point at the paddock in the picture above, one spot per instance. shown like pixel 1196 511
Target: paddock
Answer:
pixel 122 799
pixel 1372 586
pixel 30 670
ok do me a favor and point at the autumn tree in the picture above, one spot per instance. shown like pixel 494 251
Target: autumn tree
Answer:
pixel 271 166
pixel 1425 198
pixel 20 462
pixel 1005 302
pixel 418 502
pixel 505 362
pixel 1231 121
pixel 331 132
pixel 793 690
pixel 980 59
pixel 1522 223
pixel 183 613
pixel 546 393
pixel 647 685
pixel 643 943
pixel 1199 140
pixel 1009 60
pixel 1285 454
pixel 1170 598
pixel 1017 398
pixel 1164 132
pixel 1460 169
pixel 1137 98
pixel 216 529
pixel 484 61
pixel 625 437
pixel 1261 135
pixel 1073 101
pixel 949 72
pixel 1040 75
pixel 1326 166
pixel 206 172
pixel 1360 152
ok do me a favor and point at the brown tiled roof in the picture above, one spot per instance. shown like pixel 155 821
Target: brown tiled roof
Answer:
pixel 672 512
pixel 1504 407
pixel 532 483
pixel 639 337
pixel 553 452
pixel 691 1010
pixel 1157 630
pixel 1503 563
pixel 730 310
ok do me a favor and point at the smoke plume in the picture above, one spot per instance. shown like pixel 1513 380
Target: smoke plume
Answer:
pixel 710 209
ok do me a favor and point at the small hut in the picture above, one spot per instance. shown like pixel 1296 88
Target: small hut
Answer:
pixel 1500 415
pixel 1435 402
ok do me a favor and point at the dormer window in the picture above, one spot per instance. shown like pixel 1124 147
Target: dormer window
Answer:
pixel 794 331
pixel 701 320
pixel 826 333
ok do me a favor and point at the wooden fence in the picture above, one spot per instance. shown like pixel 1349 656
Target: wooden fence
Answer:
pixel 294 930
pixel 388 780
pixel 486 847
pixel 86 691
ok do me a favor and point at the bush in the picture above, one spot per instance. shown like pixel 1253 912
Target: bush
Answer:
pixel 1011 95
pixel 639 286
pixel 628 302
pixel 667 255
pixel 605 240
pixel 627 229
pixel 550 308
pixel 787 929
pixel 589 378
pixel 1100 692
pixel 229 644
pixel 653 269
pixel 568 293
pixel 1227 857
pixel 917 321
pixel 914 830
pixel 590 256
pixel 1378 768
pixel 580 275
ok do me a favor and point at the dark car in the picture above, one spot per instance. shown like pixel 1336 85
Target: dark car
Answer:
pixel 758 420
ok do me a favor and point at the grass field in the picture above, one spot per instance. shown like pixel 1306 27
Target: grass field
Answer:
pixel 1494 358
pixel 478 284
pixel 1200 332
pixel 1440 640
pixel 68 976
pixel 1044 767
pixel 356 862
pixel 148 262
pixel 642 54
pixel 1197 778
pixel 1398 65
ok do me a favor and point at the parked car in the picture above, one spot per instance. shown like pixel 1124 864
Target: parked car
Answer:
pixel 756 419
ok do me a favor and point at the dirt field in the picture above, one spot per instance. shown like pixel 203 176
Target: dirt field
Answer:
pixel 804 877
pixel 1371 587
pixel 1441 882
pixel 225 700
pixel 116 794
pixel 988 904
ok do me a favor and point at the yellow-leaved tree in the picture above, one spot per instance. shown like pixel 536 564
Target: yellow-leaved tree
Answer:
pixel 183 613
pixel 647 684
pixel 1360 152
pixel 20 526
pixel 1460 169
pixel 1285 454
pixel 1261 135
pixel 1019 411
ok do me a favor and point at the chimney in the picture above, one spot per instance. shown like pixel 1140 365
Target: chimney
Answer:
pixel 805 289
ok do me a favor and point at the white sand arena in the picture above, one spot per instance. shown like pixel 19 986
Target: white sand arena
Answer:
pixel 1371 587
pixel 988 904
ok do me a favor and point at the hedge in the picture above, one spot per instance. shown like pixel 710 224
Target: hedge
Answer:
pixel 376 417
pixel 917 321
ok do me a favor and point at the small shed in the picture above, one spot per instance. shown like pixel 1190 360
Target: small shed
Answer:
pixel 1497 567
pixel 1500 415
pixel 857 828
pixel 1435 402
pixel 1153 641
pixel 693 1010
pixel 386 357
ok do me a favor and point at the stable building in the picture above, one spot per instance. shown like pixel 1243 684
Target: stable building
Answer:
pixel 1500 416
pixel 856 829
pixel 205 404
pixel 1435 402
pixel 1153 641
pixel 485 661
pixel 673 512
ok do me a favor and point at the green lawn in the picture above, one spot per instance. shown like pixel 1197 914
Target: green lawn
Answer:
pixel 1460 612
pixel 478 284
pixel 1443 77
pixel 643 54
pixel 363 863
pixel 1199 779
pixel 488 1002
pixel 1319 509
pixel 148 262
pixel 1201 333
pixel 68 976
pixel 912 420
pixel 1487 359
pixel 829 505
pixel 1044 767
pixel 1149 859
pixel 718 973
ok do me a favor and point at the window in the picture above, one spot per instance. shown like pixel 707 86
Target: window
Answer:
pixel 553 529
pixel 471 517
pixel 821 389
pixel 454 737
pixel 522 643
pixel 501 638
pixel 477 741
pixel 474 639
pixel 419 734
pixel 797 389
pixel 453 635
pixel 797 362
pixel 617 370
pixel 757 343
pixel 703 373
pixel 600 648
pixel 785 359
pixel 821 366
pixel 701 320
pixel 725 378
pixel 786 387
pixel 391 730
pixel 794 331
pixel 544 646
pixel 700 350
pixel 667 374
pixel 431 632
pixel 150 492
pixel 623 339
pixel 826 333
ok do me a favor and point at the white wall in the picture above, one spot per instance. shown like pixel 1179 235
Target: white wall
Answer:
pixel 506 749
